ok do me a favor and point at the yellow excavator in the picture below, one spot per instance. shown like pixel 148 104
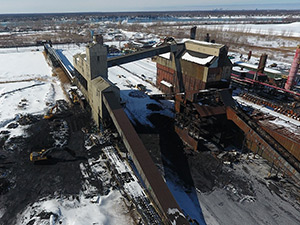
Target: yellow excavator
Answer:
pixel 141 87
pixel 50 113
pixel 74 96
pixel 44 154
pixel 40 156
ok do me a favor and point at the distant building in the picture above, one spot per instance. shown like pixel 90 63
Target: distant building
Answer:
pixel 203 65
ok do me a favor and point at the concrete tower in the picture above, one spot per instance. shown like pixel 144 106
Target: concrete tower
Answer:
pixel 96 56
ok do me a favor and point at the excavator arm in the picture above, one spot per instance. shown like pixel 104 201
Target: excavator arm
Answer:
pixel 50 113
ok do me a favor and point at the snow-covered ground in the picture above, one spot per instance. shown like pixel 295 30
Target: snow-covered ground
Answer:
pixel 73 210
pixel 281 67
pixel 291 29
pixel 26 85
pixel 91 206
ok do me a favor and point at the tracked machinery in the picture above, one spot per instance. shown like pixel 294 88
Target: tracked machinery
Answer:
pixel 59 110
pixel 43 155
pixel 74 96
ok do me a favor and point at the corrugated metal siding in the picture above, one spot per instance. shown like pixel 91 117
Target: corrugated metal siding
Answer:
pixel 183 133
pixel 293 146
pixel 261 147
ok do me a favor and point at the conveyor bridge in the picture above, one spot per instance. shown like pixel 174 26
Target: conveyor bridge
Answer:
pixel 142 160
pixel 147 53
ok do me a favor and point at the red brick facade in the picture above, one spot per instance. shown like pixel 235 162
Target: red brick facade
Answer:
pixel 166 74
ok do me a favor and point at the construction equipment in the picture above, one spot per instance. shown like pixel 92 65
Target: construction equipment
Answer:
pixel 167 41
pixel 141 87
pixel 59 110
pixel 74 96
pixel 43 155
pixel 50 113
pixel 40 156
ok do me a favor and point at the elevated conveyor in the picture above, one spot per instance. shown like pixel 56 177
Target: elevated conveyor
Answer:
pixel 142 160
pixel 148 53
pixel 57 61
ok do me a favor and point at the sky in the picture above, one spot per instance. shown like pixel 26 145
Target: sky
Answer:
pixel 52 6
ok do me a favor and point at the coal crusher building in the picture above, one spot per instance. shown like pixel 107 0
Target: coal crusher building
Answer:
pixel 203 65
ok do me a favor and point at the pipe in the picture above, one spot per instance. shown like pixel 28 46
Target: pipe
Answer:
pixel 262 63
pixel 293 71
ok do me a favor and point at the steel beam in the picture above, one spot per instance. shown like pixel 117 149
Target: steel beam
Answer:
pixel 115 61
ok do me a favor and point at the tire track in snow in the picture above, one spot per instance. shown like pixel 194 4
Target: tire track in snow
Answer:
pixel 21 89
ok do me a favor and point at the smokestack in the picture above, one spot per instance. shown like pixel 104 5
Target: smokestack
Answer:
pixel 249 55
pixel 193 33
pixel 293 71
pixel 262 63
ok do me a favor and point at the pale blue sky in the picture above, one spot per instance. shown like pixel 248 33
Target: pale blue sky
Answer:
pixel 40 6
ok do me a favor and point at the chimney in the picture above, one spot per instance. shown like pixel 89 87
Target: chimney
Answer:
pixel 294 70
pixel 262 63
pixel 249 55
pixel 193 33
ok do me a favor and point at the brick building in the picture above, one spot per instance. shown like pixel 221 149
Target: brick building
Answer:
pixel 203 65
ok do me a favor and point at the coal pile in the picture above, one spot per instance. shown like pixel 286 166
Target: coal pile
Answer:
pixel 23 182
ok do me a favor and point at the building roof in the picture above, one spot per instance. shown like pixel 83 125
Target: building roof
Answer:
pixel 203 47
pixel 203 53
pixel 204 43
pixel 101 84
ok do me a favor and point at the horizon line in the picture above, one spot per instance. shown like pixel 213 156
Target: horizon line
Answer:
pixel 188 8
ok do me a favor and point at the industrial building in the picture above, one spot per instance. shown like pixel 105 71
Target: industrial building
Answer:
pixel 90 70
pixel 198 75
pixel 91 73
pixel 203 65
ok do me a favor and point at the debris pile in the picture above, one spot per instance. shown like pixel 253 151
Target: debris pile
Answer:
pixel 229 157
pixel 23 103
pixel 27 119
pixel 59 132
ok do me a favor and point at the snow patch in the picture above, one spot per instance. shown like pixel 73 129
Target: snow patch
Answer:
pixel 166 83
pixel 76 211
pixel 200 61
